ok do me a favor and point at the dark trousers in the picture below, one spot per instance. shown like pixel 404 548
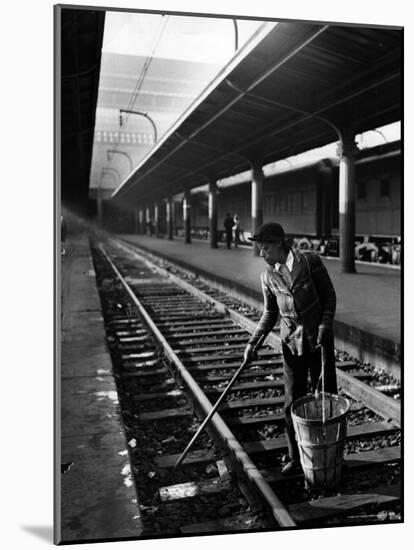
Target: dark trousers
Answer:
pixel 236 238
pixel 229 238
pixel 296 368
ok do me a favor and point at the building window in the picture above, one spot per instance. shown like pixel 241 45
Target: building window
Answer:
pixel 385 187
pixel 362 190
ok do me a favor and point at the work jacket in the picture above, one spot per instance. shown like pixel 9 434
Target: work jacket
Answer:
pixel 305 304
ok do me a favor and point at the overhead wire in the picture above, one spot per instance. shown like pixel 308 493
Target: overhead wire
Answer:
pixel 139 83
pixel 141 78
pixel 145 68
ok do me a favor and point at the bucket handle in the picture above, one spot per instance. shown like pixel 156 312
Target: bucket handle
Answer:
pixel 321 381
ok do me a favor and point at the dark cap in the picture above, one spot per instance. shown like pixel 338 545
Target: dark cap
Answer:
pixel 269 233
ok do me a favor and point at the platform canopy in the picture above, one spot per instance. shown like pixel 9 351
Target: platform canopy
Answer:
pixel 79 35
pixel 291 93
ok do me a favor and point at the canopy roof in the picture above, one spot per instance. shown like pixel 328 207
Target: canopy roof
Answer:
pixel 290 94
pixel 80 32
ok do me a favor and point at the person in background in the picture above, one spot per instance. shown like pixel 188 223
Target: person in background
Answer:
pixel 322 246
pixel 396 252
pixel 304 244
pixel 384 253
pixel 366 251
pixel 236 230
pixel 297 285
pixel 228 227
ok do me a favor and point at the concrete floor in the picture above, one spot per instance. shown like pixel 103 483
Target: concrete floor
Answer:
pixel 96 498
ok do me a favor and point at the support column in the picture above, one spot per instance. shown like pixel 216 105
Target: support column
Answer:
pixel 147 221
pixel 187 216
pixel 323 212
pixel 257 202
pixel 212 213
pixel 99 207
pixel 169 216
pixel 141 224
pixel 156 219
pixel 136 224
pixel 347 149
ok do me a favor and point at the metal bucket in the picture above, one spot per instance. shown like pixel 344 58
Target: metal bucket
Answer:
pixel 320 428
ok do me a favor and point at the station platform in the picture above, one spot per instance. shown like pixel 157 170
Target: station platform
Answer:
pixel 368 315
pixel 95 495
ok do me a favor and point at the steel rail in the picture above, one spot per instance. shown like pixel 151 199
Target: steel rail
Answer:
pixel 380 403
pixel 375 400
pixel 243 321
pixel 240 458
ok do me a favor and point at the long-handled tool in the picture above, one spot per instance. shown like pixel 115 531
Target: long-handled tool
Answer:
pixel 216 406
pixel 213 410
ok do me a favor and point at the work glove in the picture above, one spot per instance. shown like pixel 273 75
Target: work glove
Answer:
pixel 325 336
pixel 249 353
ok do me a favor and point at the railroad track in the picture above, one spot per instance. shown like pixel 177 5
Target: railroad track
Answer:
pixel 175 348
